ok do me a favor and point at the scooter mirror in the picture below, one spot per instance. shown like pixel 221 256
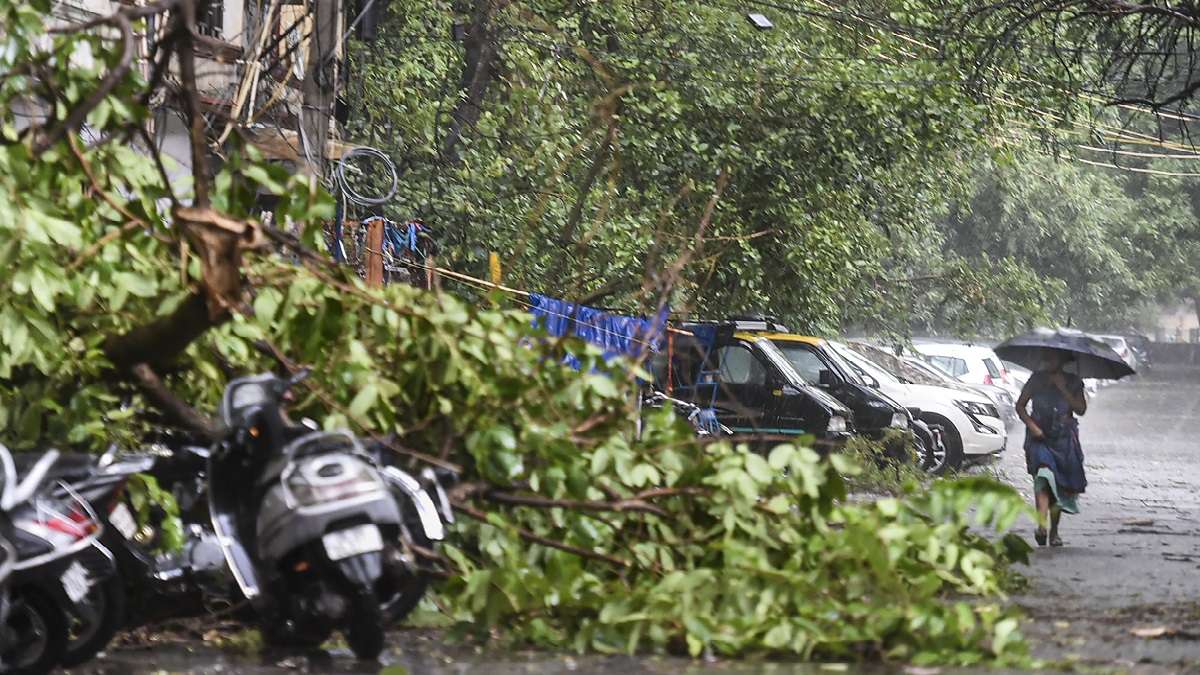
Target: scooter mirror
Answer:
pixel 32 481
pixel 108 457
pixel 299 376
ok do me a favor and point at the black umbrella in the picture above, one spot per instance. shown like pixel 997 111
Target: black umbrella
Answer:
pixel 1092 358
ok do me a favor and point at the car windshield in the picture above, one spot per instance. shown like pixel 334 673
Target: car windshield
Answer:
pixel 931 367
pixel 953 365
pixel 863 365
pixel 808 363
pixel 781 362
pixel 902 368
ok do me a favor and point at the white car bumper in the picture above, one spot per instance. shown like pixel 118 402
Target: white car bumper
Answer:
pixel 981 436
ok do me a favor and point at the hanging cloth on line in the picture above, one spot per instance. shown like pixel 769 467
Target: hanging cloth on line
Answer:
pixel 617 335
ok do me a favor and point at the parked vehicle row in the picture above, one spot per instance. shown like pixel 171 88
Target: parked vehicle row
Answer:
pixel 759 380
pixel 309 530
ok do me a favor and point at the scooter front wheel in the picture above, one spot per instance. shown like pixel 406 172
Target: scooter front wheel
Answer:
pixel 365 632
pixel 93 622
pixel 37 632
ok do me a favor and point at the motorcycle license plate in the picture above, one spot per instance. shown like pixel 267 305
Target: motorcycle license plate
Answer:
pixel 75 582
pixel 122 519
pixel 353 541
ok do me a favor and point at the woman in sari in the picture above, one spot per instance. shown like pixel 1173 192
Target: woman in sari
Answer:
pixel 1053 455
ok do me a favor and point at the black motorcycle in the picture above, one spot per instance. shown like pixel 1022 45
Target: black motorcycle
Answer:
pixel 319 537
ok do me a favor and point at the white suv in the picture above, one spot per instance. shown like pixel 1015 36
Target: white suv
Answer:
pixel 971 422
pixel 1121 347
pixel 973 364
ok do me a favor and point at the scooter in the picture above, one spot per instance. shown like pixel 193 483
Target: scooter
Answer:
pixel 145 583
pixel 311 526
pixel 59 561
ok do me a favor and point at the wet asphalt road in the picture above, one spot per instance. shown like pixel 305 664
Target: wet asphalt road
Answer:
pixel 1131 563
pixel 1132 557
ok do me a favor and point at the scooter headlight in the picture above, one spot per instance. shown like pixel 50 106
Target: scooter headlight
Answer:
pixel 322 480
pixel 837 425
pixel 899 421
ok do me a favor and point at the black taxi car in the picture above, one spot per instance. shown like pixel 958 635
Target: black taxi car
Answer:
pixel 750 385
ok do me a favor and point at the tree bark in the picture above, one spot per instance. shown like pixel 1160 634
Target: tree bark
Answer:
pixel 175 409
pixel 159 342
pixel 599 161
pixel 479 70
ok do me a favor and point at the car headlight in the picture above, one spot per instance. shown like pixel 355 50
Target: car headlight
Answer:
pixel 837 424
pixel 976 408
pixel 899 421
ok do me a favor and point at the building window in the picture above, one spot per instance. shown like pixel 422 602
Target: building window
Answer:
pixel 212 21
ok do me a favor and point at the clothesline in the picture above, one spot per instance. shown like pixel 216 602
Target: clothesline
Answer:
pixel 507 289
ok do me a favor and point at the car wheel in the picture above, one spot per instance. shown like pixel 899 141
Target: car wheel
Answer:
pixel 951 440
pixel 931 452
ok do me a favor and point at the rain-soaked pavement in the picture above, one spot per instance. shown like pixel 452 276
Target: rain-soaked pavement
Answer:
pixel 1123 593
pixel 1126 587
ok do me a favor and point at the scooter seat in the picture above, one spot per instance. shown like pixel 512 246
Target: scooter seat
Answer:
pixel 70 466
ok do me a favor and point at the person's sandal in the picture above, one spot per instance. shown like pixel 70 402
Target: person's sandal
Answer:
pixel 1056 540
pixel 1039 535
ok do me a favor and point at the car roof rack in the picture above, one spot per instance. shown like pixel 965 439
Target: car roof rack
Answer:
pixel 744 322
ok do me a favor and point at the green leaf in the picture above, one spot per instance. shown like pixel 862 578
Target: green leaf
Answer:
pixel 364 400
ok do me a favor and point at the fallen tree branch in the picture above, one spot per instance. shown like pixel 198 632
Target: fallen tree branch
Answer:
pixel 268 348
pixel 624 505
pixel 160 341
pixel 655 493
pixel 79 113
pixel 91 251
pixel 177 411
pixel 544 541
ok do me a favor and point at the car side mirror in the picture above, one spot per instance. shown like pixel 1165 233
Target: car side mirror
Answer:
pixel 826 378
pixel 871 381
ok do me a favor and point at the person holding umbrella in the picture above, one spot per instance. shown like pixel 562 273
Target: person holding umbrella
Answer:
pixel 1053 454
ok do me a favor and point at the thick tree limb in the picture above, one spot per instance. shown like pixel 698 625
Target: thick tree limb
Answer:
pixel 177 412
pixel 219 241
pixel 186 54
pixel 479 69
pixel 162 340
pixel 599 160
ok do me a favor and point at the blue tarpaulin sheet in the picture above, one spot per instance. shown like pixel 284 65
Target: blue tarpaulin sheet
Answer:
pixel 617 335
